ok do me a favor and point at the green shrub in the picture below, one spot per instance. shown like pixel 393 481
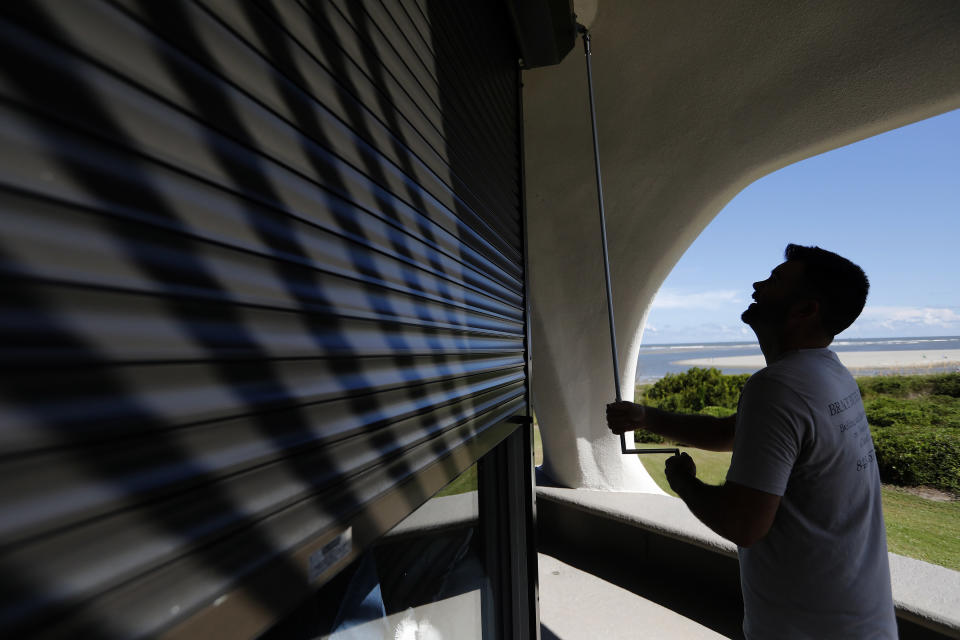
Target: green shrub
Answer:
pixel 916 437
pixel 921 412
pixel 947 384
pixel 943 384
pixel 704 391
pixel 918 457
pixel 642 435
pixel 886 412
pixel 717 412
pixel 696 389
pixel 883 385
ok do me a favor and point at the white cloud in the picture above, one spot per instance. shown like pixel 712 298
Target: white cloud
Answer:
pixel 707 332
pixel 902 320
pixel 704 300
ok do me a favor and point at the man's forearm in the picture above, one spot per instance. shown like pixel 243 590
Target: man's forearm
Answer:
pixel 708 503
pixel 739 513
pixel 702 432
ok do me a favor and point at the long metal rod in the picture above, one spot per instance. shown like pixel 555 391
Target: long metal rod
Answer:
pixel 603 218
pixel 603 235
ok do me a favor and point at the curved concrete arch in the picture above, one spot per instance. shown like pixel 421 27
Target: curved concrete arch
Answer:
pixel 695 101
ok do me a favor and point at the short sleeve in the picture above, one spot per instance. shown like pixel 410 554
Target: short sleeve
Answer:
pixel 768 435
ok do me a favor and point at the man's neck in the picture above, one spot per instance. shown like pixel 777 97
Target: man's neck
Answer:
pixel 775 346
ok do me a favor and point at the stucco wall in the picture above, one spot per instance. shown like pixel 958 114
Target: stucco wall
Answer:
pixel 695 100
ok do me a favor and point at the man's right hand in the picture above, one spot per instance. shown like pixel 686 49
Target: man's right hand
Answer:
pixel 625 416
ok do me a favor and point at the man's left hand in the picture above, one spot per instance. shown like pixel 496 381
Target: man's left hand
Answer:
pixel 679 469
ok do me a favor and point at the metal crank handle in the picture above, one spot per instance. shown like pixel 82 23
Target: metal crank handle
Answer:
pixel 675 452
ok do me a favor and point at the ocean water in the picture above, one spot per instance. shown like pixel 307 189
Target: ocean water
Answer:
pixel 656 360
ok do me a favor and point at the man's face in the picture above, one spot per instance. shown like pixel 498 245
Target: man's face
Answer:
pixel 775 295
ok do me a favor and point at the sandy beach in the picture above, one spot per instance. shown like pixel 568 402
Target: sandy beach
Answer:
pixel 914 359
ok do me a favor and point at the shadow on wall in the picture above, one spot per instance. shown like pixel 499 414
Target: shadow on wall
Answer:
pixel 547 634
pixel 234 288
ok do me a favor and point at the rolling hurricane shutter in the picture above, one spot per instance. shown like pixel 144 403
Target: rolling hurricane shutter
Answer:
pixel 262 288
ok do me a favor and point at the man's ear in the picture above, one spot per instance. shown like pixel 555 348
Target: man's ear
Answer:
pixel 807 308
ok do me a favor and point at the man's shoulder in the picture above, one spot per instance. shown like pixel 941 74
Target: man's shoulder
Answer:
pixel 772 375
pixel 769 386
pixel 803 379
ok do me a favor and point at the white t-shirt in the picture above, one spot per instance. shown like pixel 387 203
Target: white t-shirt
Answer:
pixel 822 569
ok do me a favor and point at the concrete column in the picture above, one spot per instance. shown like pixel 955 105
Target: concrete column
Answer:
pixel 695 101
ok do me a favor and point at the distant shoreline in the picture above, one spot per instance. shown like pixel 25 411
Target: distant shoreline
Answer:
pixel 902 359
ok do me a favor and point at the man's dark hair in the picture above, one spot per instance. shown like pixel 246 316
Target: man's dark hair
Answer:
pixel 839 285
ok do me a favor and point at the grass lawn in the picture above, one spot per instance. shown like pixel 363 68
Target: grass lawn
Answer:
pixel 921 528
pixel 916 527
pixel 466 481
pixel 711 465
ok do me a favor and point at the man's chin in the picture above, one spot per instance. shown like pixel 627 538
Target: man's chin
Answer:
pixel 749 316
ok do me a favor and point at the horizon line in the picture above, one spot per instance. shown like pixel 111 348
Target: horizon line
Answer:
pixel 698 342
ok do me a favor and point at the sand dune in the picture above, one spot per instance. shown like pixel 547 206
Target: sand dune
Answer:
pixel 912 359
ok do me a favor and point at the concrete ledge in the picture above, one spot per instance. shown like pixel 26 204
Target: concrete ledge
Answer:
pixel 924 594
pixel 439 514
pixel 664 515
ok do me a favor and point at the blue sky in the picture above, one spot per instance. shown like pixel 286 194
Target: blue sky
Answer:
pixel 890 203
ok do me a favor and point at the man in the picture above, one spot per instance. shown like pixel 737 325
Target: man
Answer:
pixel 802 496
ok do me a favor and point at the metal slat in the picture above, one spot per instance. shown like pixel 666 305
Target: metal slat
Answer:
pixel 46 242
pixel 356 94
pixel 496 49
pixel 398 94
pixel 174 137
pixel 330 23
pixel 148 603
pixel 458 198
pixel 373 27
pixel 461 115
pixel 407 30
pixel 449 28
pixel 184 394
pixel 258 286
pixel 135 545
pixel 470 83
pixel 421 28
pixel 253 30
pixel 180 394
pixel 54 490
pixel 135 328
pixel 223 220
pixel 368 43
